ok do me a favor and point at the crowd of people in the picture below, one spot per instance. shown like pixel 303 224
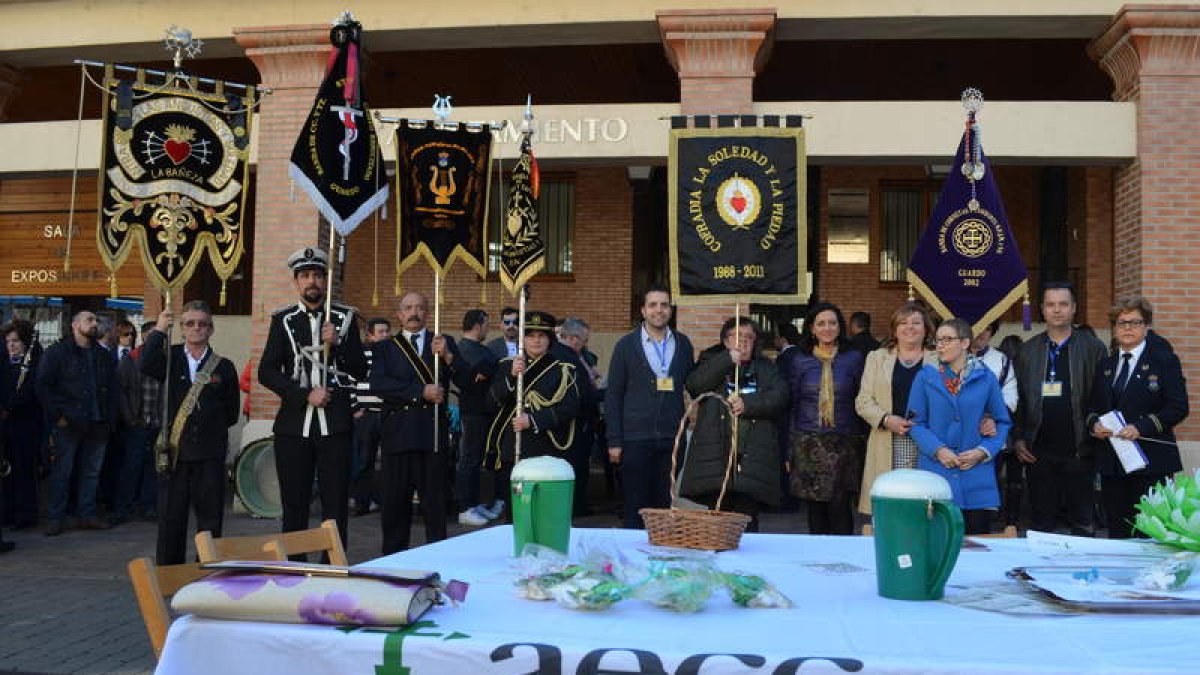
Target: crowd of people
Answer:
pixel 375 419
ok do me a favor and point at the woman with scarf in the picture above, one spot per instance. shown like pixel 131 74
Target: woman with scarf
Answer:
pixel 827 435
pixel 883 397
pixel 949 401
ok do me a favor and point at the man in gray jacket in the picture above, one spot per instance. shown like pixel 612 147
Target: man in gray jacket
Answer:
pixel 1055 372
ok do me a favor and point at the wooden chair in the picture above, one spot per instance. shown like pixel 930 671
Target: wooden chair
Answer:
pixel 323 539
pixel 152 585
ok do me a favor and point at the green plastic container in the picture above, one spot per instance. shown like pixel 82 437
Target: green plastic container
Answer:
pixel 918 534
pixel 543 489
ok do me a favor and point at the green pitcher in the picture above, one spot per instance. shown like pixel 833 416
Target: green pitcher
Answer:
pixel 542 493
pixel 918 533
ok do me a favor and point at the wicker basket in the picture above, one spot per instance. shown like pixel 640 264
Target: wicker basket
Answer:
pixel 690 528
pixel 693 528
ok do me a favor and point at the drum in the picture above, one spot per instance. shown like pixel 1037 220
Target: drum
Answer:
pixel 255 479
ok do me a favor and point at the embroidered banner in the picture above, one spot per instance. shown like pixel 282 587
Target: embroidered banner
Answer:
pixel 737 215
pixel 174 165
pixel 522 251
pixel 442 179
pixel 336 159
pixel 967 263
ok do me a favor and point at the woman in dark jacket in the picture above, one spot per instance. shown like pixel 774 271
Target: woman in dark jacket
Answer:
pixel 760 396
pixel 1143 381
pixel 827 434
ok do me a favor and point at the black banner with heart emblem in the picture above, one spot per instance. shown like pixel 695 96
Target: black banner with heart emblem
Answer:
pixel 737 215
pixel 174 165
pixel 443 173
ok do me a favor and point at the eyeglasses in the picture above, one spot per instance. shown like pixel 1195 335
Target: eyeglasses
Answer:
pixel 948 340
pixel 1132 323
pixel 509 322
pixel 197 323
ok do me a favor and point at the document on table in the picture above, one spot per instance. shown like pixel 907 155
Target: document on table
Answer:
pixel 1129 452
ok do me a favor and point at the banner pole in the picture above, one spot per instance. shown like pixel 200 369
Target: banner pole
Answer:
pixel 521 375
pixel 737 391
pixel 162 461
pixel 437 330
pixel 326 347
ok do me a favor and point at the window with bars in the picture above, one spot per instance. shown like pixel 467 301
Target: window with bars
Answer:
pixel 556 218
pixel 904 211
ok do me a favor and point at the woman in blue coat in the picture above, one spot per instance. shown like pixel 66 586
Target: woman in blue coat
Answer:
pixel 950 400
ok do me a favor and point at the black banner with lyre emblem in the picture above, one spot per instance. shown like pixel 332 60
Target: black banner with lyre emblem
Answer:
pixel 737 215
pixel 443 174
pixel 174 165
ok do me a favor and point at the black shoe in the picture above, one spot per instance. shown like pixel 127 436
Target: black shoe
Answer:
pixel 6 546
pixel 54 529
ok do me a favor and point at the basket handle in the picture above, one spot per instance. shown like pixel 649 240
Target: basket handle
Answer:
pixel 683 422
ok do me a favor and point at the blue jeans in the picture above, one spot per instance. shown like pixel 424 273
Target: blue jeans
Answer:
pixel 85 446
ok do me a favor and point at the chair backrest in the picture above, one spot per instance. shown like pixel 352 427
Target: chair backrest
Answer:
pixel 323 539
pixel 152 585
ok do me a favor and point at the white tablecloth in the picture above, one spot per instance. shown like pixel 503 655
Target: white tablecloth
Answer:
pixel 838 624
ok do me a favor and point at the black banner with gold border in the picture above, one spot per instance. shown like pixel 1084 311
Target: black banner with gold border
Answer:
pixel 173 169
pixel 737 218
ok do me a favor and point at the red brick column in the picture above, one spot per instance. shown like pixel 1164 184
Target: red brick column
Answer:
pixel 1152 53
pixel 291 60
pixel 717 53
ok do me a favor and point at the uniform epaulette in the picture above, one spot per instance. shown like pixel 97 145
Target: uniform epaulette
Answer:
pixel 284 310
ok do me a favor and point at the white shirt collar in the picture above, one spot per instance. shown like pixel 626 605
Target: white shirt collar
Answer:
pixel 193 363
pixel 1136 351
pixel 667 334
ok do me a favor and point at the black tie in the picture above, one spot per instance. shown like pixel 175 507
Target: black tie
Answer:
pixel 415 340
pixel 1122 376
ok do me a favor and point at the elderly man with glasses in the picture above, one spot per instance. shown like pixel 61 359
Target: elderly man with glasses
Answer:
pixel 202 402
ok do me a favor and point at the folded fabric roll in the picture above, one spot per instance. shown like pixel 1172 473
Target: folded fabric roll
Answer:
pixel 289 598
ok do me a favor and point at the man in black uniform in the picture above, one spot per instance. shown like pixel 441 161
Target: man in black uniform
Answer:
pixel 402 374
pixel 202 394
pixel 476 415
pixel 313 427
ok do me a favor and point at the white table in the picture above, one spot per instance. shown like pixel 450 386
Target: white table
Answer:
pixel 837 615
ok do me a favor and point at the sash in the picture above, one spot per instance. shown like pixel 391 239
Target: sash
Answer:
pixel 534 400
pixel 203 377
pixel 414 359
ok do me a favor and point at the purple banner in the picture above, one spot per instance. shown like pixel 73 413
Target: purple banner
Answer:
pixel 967 263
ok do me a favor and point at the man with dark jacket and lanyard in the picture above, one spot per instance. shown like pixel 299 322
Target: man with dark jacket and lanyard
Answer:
pixel 644 404
pixel 202 394
pixel 313 426
pixel 77 385
pixel 1055 371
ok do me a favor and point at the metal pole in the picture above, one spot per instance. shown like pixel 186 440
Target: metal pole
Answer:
pixel 521 375
pixel 437 330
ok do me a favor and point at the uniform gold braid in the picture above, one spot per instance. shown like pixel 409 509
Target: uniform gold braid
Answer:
pixel 536 401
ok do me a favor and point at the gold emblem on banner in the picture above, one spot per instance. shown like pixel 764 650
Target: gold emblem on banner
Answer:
pixel 738 202
pixel 442 182
pixel 972 238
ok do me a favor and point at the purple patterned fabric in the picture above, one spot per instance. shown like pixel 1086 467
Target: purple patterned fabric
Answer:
pixel 335 609
pixel 238 586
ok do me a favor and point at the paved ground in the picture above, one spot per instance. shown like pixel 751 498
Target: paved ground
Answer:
pixel 66 605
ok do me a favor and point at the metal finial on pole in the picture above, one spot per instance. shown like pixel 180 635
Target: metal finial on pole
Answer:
pixel 181 44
